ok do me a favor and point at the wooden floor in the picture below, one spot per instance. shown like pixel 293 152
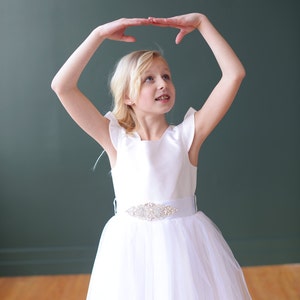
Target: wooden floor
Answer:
pixel 265 283
pixel 273 282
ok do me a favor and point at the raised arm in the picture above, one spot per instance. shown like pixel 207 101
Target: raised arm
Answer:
pixel 65 81
pixel 222 96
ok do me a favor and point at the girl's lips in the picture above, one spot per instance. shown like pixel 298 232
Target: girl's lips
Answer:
pixel 162 97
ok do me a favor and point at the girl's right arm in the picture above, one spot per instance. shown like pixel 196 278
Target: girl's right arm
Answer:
pixel 79 107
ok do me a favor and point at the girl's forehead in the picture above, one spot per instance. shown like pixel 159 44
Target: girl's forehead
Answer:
pixel 158 64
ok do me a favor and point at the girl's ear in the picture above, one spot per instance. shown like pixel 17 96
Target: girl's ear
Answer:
pixel 128 101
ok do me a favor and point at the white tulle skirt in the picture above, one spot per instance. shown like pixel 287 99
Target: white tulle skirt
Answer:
pixel 183 258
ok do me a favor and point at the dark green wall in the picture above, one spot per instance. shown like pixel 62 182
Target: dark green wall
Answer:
pixel 53 207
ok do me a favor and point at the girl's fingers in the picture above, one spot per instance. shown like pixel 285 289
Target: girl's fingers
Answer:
pixel 128 39
pixel 179 37
pixel 136 22
pixel 182 33
pixel 164 22
pixel 116 30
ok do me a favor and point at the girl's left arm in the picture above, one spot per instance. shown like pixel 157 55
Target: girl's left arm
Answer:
pixel 223 94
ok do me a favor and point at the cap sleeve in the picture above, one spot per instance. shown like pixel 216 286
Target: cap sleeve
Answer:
pixel 115 129
pixel 188 128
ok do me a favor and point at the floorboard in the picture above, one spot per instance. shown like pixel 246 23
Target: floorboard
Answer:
pixel 280 282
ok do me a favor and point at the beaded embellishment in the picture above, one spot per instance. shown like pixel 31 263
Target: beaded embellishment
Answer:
pixel 151 211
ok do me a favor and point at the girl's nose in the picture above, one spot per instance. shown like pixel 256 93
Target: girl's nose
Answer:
pixel 162 84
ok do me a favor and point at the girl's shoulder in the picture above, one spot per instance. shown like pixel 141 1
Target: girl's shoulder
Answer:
pixel 114 128
pixel 186 128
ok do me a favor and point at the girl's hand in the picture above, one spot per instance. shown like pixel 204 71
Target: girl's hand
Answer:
pixel 115 30
pixel 186 23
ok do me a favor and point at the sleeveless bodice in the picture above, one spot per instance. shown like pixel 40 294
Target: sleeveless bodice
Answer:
pixel 156 171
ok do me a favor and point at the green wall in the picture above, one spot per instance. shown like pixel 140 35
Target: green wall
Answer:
pixel 53 207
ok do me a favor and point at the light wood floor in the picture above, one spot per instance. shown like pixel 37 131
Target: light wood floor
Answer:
pixel 274 282
pixel 264 282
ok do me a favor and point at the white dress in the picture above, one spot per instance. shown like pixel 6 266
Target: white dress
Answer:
pixel 157 246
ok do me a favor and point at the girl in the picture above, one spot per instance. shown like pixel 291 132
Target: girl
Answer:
pixel 157 246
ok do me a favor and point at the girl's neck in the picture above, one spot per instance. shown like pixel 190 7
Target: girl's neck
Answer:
pixel 151 128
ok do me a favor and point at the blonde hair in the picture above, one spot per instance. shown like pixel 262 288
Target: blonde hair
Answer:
pixel 126 83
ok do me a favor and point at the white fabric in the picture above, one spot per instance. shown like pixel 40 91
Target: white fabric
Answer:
pixel 180 258
pixel 177 208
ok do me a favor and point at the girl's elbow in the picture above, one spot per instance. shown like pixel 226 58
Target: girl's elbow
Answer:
pixel 239 75
pixel 242 73
pixel 57 87
pixel 236 74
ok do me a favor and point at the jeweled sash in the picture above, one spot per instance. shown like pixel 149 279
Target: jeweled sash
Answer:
pixel 152 211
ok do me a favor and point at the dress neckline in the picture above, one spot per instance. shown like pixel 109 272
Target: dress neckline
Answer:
pixel 157 140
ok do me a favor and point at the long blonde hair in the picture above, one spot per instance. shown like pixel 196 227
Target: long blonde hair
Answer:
pixel 126 83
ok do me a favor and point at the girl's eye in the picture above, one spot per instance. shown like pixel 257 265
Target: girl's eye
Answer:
pixel 149 79
pixel 166 77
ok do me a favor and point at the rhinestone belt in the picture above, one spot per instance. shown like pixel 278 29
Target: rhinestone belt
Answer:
pixel 151 211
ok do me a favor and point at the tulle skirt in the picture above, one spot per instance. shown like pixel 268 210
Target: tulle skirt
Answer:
pixel 182 258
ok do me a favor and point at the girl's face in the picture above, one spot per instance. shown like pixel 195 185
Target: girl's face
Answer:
pixel 157 92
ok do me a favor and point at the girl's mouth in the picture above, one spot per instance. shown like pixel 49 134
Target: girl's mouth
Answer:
pixel 162 98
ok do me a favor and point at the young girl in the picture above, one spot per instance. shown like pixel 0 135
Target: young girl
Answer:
pixel 157 246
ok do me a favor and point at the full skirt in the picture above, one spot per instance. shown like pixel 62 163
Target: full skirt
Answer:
pixel 183 258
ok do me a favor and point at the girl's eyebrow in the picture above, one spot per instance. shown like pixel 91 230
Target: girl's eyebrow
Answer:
pixel 147 72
